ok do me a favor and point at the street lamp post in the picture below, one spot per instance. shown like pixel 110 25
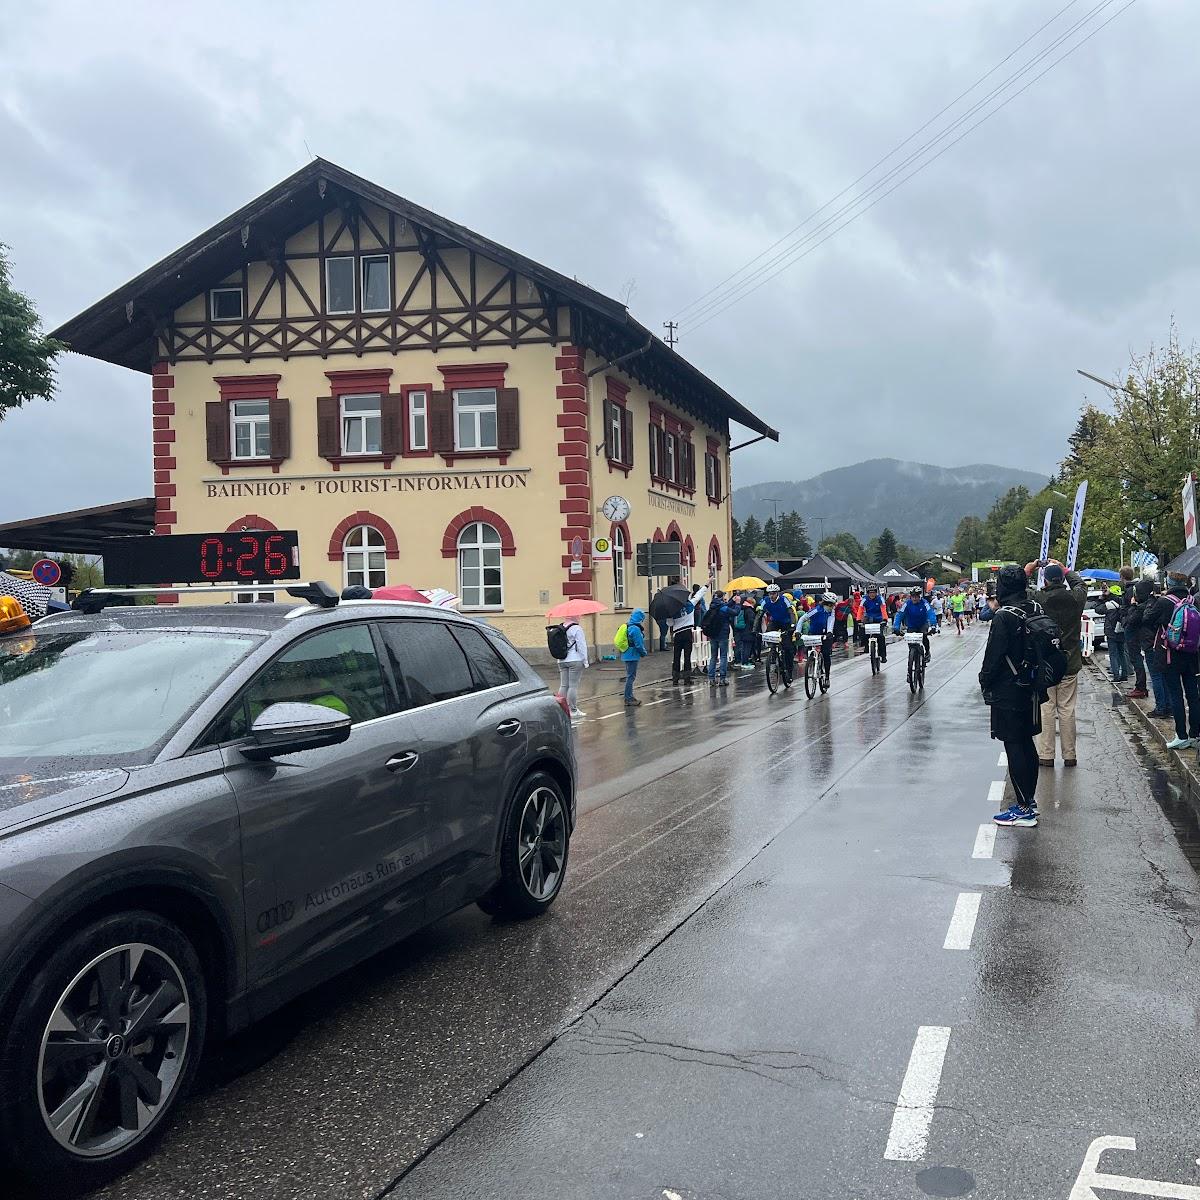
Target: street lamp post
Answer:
pixel 775 505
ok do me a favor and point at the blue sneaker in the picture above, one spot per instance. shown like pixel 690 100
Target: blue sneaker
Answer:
pixel 1016 815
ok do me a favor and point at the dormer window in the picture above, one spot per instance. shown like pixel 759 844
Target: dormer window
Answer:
pixel 226 303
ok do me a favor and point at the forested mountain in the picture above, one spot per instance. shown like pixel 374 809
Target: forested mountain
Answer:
pixel 921 504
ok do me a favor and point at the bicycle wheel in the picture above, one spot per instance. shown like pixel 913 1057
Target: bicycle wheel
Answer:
pixel 810 675
pixel 912 671
pixel 772 672
pixel 874 656
pixel 921 673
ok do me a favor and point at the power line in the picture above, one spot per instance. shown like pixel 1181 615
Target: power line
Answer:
pixel 870 170
pixel 791 258
pixel 899 167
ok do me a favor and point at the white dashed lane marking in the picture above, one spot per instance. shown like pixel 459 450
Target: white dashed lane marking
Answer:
pixel 962 922
pixel 909 1135
pixel 985 842
pixel 996 795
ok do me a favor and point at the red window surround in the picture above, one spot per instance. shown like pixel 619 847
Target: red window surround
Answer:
pixel 248 387
pixel 508 546
pixel 672 426
pixel 474 375
pixel 714 550
pixel 364 382
pixel 391 545
pixel 618 394
pixel 250 521
pixel 716 491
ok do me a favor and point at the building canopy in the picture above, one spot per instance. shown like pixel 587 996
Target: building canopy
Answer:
pixel 82 531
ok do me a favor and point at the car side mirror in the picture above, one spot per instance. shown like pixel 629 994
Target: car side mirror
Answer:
pixel 287 728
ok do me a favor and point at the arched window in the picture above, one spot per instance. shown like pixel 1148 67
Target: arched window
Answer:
pixel 714 561
pixel 618 553
pixel 364 555
pixel 480 573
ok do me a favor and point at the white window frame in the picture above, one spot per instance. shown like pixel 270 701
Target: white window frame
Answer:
pixel 672 458
pixel 358 547
pixel 362 280
pixel 710 476
pixel 413 412
pixel 492 549
pixel 654 463
pixel 253 422
pixel 378 414
pixel 616 422
pixel 254 598
pixel 618 553
pixel 330 259
pixel 212 303
pixel 714 563
pixel 476 410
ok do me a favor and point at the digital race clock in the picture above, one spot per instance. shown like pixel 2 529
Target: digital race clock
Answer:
pixel 251 556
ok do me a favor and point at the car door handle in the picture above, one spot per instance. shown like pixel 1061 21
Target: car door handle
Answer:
pixel 508 728
pixel 402 762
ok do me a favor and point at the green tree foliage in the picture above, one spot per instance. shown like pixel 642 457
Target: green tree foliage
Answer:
pixel 751 536
pixel 1017 542
pixel 973 541
pixel 26 355
pixel 736 540
pixel 1003 511
pixel 770 535
pixel 843 545
pixel 882 550
pixel 793 536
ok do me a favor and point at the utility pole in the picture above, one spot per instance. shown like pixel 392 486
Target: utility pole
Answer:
pixel 821 537
pixel 672 337
pixel 775 505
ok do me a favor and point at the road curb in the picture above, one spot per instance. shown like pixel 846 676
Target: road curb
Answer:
pixel 1184 764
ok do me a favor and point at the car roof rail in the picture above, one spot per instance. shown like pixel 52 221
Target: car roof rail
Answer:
pixel 95 600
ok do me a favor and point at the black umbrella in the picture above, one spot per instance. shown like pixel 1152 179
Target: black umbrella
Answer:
pixel 669 602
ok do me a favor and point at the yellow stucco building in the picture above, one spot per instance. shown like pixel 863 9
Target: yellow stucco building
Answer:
pixel 422 405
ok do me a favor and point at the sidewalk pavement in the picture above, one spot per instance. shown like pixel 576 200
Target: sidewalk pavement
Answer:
pixel 1184 763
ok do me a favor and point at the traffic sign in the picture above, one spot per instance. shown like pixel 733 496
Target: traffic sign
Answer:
pixel 577 547
pixel 659 558
pixel 602 550
pixel 47 572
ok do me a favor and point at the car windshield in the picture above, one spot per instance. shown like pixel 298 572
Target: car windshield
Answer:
pixel 106 696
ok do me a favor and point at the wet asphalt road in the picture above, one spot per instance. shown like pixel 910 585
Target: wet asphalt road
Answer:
pixel 724 1001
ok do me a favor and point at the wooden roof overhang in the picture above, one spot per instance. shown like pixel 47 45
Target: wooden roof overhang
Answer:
pixel 82 531
pixel 123 327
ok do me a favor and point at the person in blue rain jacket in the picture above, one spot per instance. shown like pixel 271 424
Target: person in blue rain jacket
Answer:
pixel 635 629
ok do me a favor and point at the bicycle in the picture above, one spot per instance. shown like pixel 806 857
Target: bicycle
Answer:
pixel 815 674
pixel 777 669
pixel 872 631
pixel 916 661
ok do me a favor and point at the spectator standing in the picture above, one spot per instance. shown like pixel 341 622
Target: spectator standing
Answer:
pixel 1015 710
pixel 718 622
pixel 1110 606
pixel 1139 631
pixel 1063 598
pixel 571 668
pixel 1134 651
pixel 635 630
pixel 683 640
pixel 1178 667
pixel 744 633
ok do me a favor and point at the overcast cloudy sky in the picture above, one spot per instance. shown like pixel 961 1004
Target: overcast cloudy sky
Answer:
pixel 649 150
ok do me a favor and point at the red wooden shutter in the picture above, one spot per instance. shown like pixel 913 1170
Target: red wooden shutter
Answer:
pixel 329 441
pixel 627 435
pixel 441 422
pixel 279 417
pixel 391 423
pixel 609 449
pixel 508 420
pixel 216 430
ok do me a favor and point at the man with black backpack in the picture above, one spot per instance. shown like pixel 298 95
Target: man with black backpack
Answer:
pixel 1023 660
pixel 1063 598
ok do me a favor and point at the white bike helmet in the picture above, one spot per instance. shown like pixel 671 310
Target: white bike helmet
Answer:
pixel 829 598
pixel 772 589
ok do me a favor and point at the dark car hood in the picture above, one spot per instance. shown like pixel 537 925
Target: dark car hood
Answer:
pixel 23 795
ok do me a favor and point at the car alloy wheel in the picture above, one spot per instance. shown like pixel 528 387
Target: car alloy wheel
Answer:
pixel 543 843
pixel 114 1049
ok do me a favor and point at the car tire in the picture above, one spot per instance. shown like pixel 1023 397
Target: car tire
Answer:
pixel 537 834
pixel 133 970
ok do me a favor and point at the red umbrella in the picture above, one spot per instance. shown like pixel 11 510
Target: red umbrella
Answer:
pixel 575 608
pixel 400 591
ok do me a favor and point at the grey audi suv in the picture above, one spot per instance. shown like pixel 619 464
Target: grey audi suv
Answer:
pixel 206 810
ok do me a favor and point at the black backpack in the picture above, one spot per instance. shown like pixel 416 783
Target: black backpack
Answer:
pixel 1044 662
pixel 713 623
pixel 557 641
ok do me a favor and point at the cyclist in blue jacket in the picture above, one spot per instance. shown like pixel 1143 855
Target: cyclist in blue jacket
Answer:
pixel 875 612
pixel 915 617
pixel 819 619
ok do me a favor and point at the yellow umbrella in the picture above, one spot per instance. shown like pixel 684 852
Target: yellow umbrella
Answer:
pixel 742 582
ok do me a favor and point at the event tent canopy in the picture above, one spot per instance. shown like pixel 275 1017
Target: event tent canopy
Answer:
pixel 1188 562
pixel 897 576
pixel 821 571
